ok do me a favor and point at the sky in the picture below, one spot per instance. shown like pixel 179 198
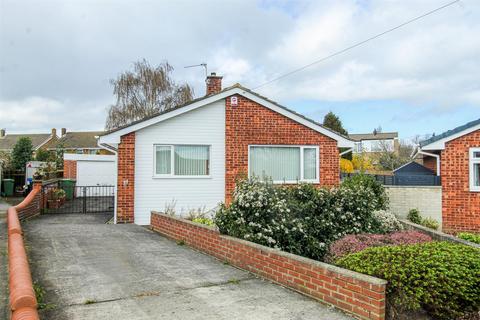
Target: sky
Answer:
pixel 57 58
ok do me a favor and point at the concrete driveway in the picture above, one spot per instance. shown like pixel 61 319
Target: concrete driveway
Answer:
pixel 93 270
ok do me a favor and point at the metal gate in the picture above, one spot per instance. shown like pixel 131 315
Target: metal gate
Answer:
pixel 77 199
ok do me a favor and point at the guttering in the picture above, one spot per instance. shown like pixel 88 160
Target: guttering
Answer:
pixel 436 156
pixel 346 151
pixel 115 151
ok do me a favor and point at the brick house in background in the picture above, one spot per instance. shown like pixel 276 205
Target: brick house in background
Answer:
pixel 79 142
pixel 455 156
pixel 39 140
pixel 189 157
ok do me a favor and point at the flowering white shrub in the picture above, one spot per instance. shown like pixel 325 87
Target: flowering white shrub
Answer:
pixel 387 222
pixel 300 219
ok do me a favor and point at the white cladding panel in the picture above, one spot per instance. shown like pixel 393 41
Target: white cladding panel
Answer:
pixel 205 126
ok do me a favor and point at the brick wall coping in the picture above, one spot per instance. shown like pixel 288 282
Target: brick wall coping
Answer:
pixel 415 187
pixel 329 267
pixel 22 300
pixel 437 235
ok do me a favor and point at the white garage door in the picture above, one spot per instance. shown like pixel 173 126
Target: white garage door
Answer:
pixel 95 173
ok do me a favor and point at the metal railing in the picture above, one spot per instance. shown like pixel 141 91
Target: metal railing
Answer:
pixel 402 180
pixel 77 199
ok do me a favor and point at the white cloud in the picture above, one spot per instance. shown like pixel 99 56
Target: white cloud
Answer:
pixel 57 57
pixel 39 113
pixel 434 60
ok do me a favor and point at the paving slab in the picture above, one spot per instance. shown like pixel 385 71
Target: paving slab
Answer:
pixel 93 270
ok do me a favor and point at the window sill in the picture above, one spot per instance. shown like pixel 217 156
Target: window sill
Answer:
pixel 181 177
pixel 297 182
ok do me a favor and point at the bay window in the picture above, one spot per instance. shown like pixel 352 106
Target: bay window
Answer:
pixel 284 164
pixel 181 160
pixel 474 169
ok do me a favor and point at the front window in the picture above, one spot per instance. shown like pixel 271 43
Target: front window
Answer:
pixel 182 160
pixel 289 164
pixel 475 169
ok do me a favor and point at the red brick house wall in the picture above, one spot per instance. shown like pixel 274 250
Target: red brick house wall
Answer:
pixel 430 163
pixel 126 179
pixel 251 123
pixel 70 169
pixel 460 206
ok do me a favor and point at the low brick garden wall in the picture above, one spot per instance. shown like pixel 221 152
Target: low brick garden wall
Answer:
pixel 22 300
pixel 437 235
pixel 361 295
pixel 32 204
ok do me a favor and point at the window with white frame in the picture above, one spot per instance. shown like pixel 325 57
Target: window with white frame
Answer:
pixel 475 169
pixel 284 164
pixel 181 160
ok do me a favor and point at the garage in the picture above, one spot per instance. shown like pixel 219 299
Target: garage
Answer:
pixel 91 170
pixel 96 173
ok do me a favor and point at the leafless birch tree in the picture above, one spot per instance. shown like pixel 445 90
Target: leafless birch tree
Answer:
pixel 144 92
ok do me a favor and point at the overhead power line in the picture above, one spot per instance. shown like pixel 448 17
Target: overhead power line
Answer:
pixel 356 44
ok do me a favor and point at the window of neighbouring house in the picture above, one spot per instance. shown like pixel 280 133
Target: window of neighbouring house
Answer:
pixel 475 169
pixel 182 160
pixel 284 164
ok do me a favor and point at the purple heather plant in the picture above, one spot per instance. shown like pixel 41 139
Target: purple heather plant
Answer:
pixel 355 243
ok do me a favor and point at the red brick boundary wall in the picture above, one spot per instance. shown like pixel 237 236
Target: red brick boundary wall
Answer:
pixel 355 293
pixel 32 204
pixel 23 303
pixel 126 179
pixel 70 169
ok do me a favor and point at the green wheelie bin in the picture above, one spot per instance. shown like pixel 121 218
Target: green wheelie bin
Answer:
pixel 8 186
pixel 68 185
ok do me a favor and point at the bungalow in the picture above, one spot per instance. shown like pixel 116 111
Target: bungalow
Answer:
pixel 189 157
pixel 39 140
pixel 79 142
pixel 455 156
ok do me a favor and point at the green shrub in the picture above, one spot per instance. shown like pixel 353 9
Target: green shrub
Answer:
pixel 440 277
pixel 475 238
pixel 368 181
pixel 414 216
pixel 430 223
pixel 300 219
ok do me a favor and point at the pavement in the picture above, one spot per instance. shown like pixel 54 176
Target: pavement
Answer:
pixel 4 310
pixel 93 270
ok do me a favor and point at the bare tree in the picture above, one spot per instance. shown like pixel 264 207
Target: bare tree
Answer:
pixel 389 159
pixel 144 92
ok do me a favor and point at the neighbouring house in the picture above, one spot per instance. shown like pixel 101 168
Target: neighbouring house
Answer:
pixel 372 143
pixel 39 140
pixel 455 156
pixel 188 158
pixel 84 142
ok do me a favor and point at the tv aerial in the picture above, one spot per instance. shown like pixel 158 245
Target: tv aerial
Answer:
pixel 204 65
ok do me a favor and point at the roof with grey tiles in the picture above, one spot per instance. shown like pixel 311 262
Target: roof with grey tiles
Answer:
pixel 373 136
pixel 79 140
pixel 448 133
pixel 8 141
